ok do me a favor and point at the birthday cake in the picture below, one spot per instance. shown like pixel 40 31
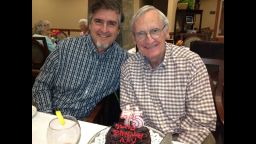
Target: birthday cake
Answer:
pixel 122 134
pixel 129 130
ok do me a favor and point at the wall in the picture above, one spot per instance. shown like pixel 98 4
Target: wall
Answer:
pixel 66 13
pixel 171 12
pixel 208 19
pixel 162 5
pixel 61 13
pixel 127 41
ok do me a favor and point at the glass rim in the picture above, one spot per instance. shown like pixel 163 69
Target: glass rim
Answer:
pixel 68 117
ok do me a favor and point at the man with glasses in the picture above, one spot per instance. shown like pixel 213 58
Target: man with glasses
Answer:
pixel 83 70
pixel 168 83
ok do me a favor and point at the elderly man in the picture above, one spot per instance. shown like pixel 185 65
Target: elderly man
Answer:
pixel 170 84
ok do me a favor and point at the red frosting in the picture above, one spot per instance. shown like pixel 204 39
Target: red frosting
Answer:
pixel 131 135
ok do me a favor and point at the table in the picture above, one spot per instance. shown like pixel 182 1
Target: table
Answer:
pixel 40 123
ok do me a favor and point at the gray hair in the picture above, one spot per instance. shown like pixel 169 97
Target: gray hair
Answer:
pixel 83 22
pixel 114 5
pixel 145 9
pixel 41 26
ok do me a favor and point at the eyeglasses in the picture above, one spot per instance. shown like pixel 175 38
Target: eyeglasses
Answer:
pixel 154 33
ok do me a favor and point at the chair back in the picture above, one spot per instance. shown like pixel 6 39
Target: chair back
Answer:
pixel 39 52
pixel 215 68
pixel 208 49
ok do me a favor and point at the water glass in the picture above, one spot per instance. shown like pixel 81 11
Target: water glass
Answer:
pixel 69 133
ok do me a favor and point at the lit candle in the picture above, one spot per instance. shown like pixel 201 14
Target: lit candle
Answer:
pixel 126 115
pixel 137 120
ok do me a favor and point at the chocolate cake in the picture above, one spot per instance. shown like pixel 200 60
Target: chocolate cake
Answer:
pixel 122 134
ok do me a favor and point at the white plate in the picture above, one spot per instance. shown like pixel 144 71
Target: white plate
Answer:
pixel 34 111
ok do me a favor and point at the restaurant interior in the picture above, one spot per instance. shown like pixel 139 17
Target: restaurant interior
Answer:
pixel 197 24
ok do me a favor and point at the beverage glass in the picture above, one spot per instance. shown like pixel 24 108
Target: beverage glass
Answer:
pixel 69 133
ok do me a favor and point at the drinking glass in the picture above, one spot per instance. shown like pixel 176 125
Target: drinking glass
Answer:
pixel 69 133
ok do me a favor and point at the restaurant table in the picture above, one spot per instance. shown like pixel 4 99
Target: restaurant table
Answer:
pixel 41 121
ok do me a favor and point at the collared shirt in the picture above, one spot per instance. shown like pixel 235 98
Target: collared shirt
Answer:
pixel 175 97
pixel 75 77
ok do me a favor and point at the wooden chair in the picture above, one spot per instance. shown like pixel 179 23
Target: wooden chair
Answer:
pixel 215 69
pixel 39 54
pixel 208 49
pixel 93 115
pixel 107 112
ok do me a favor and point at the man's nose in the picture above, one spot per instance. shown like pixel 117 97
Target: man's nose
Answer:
pixel 104 27
pixel 149 38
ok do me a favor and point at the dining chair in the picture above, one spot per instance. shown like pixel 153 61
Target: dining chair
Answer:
pixel 208 49
pixel 39 54
pixel 107 111
pixel 41 40
pixel 215 68
pixel 92 117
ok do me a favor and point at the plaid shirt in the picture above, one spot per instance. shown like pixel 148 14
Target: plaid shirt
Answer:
pixel 176 97
pixel 75 77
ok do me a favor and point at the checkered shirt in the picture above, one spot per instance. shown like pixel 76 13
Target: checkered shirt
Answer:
pixel 75 77
pixel 175 97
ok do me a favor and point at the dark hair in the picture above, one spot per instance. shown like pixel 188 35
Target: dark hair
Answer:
pixel 114 5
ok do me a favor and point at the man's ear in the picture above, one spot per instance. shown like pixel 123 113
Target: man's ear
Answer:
pixel 167 35
pixel 133 38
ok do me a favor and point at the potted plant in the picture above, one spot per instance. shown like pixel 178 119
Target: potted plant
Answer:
pixel 190 3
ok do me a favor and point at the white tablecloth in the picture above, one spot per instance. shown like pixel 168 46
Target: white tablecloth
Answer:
pixel 40 123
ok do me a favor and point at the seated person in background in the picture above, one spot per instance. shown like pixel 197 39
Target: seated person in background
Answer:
pixel 42 29
pixel 168 83
pixel 83 70
pixel 83 24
